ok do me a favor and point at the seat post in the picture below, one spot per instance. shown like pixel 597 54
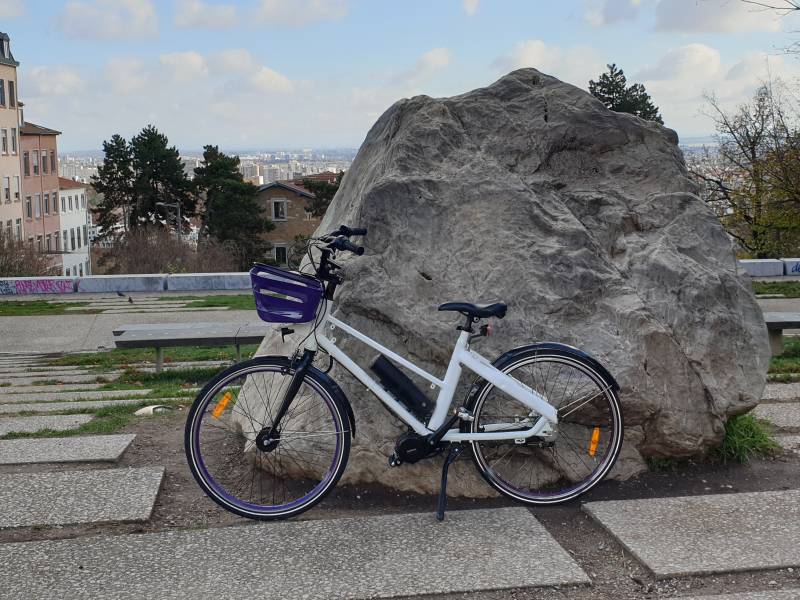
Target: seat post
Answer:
pixel 468 324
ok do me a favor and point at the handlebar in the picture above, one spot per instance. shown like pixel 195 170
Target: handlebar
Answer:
pixel 342 244
pixel 348 232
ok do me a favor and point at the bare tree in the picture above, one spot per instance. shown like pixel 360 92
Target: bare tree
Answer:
pixel 19 259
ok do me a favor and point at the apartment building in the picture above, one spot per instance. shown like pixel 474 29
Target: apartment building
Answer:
pixel 285 204
pixel 40 210
pixel 11 213
pixel 74 222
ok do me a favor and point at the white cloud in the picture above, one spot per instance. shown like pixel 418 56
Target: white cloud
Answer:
pixel 298 13
pixel 575 65
pixel 235 60
pixel 126 76
pixel 108 19
pixel 718 16
pixel 52 81
pixel 697 62
pixel 470 6
pixel 10 9
pixel 195 14
pixel 266 80
pixel 425 67
pixel 184 66
pixel 609 12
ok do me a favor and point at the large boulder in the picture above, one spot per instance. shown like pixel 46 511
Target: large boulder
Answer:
pixel 584 221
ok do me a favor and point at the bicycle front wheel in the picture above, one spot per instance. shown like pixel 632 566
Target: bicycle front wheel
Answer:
pixel 302 463
pixel 580 451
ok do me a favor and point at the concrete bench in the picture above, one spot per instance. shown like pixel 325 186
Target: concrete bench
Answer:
pixel 160 336
pixel 776 323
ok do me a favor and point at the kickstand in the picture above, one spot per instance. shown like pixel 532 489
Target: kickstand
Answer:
pixel 455 451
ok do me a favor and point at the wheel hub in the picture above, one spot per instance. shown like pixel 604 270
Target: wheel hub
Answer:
pixel 268 439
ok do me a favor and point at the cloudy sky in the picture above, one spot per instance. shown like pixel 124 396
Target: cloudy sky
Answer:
pixel 253 74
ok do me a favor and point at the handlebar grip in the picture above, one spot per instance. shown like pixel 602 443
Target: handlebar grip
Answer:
pixel 357 250
pixel 347 231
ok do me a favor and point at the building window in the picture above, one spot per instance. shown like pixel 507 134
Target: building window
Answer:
pixel 12 94
pixel 35 162
pixel 63 204
pixel 7 189
pixel 70 204
pixel 48 243
pixel 72 239
pixel 39 243
pixel 37 205
pixel 56 240
pixel 9 228
pixel 85 236
pixel 19 229
pixel 83 200
pixel 16 188
pixel 78 235
pixel 14 140
pixel 87 268
pixel 80 270
pixel 26 164
pixel 280 255
pixel 67 272
pixel 44 162
pixel 47 204
pixel 28 207
pixel 279 210
pixel 65 247
pixel 53 164
pixel 2 93
pixel 4 138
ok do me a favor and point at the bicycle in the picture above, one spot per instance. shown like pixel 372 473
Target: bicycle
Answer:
pixel 268 438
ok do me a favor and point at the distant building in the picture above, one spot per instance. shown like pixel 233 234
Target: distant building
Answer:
pixel 10 119
pixel 41 222
pixel 286 205
pixel 75 224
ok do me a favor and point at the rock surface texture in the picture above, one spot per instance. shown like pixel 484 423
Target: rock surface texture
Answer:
pixel 584 221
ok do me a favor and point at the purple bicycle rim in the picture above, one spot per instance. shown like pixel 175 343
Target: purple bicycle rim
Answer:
pixel 258 508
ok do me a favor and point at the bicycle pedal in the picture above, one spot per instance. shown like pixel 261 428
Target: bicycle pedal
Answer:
pixel 394 461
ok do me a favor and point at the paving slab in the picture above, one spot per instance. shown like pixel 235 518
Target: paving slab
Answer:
pixel 768 595
pixel 789 442
pixel 116 311
pixel 56 387
pixel 707 534
pixel 39 422
pixel 22 371
pixel 781 392
pixel 69 396
pixel 785 416
pixel 89 448
pixel 364 557
pixel 69 497
pixel 89 378
pixel 44 407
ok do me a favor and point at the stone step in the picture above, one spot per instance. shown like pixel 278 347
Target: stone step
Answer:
pixel 116 311
pixel 768 595
pixel 103 298
pixel 781 392
pixel 35 389
pixel 45 407
pixel 785 416
pixel 362 557
pixel 28 371
pixel 38 423
pixel 70 396
pixel 789 442
pixel 70 497
pixel 90 448
pixel 126 304
pixel 38 379
pixel 697 535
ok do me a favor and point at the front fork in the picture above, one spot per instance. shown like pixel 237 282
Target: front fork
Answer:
pixel 266 438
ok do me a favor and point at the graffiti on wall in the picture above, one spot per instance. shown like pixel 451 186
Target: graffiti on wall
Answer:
pixel 7 288
pixel 44 286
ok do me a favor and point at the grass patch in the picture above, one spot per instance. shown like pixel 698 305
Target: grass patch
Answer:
pixel 745 437
pixel 41 307
pixel 789 361
pixel 233 302
pixel 664 465
pixel 790 289
pixel 122 357
pixel 167 384
pixel 107 420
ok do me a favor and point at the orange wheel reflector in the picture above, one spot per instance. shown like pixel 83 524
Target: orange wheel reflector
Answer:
pixel 594 442
pixel 220 407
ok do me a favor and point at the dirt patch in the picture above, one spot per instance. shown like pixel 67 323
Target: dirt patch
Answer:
pixel 614 572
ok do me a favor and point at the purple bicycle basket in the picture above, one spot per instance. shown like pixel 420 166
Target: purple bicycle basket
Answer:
pixel 284 296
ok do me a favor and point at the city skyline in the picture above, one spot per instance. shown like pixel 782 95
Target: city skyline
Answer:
pixel 253 75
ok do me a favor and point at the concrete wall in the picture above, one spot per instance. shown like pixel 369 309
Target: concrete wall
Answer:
pixel 18 286
pixel 762 267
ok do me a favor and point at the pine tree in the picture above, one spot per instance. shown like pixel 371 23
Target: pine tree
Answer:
pixel 114 180
pixel 159 176
pixel 612 89
pixel 232 213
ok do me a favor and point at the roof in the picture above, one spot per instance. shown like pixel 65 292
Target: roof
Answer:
pixel 33 129
pixel 69 184
pixel 287 185
pixel 10 60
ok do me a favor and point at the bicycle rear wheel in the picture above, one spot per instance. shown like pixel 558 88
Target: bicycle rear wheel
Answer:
pixel 586 441
pixel 297 469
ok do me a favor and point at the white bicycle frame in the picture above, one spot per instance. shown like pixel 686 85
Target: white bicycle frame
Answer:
pixel 462 356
